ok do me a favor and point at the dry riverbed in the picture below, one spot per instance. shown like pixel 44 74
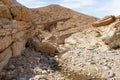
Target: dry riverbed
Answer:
pixel 78 62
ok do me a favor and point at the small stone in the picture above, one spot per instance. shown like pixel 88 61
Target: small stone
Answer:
pixel 109 74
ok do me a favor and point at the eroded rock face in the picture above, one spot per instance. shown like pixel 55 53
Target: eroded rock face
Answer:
pixel 15 29
pixel 110 34
pixel 45 28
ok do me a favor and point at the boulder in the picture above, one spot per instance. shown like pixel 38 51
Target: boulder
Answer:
pixel 44 47
pixel 104 21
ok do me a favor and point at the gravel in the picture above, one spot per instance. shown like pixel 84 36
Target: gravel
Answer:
pixel 32 65
pixel 99 63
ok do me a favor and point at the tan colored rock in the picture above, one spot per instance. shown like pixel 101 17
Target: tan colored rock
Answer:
pixel 20 13
pixel 44 47
pixel 57 23
pixel 49 25
pixel 17 47
pixel 5 42
pixel 16 28
pixel 51 14
pixel 114 41
pixel 4 57
pixel 19 36
pixel 4 11
pixel 104 21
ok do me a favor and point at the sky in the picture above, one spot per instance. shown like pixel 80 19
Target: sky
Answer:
pixel 97 8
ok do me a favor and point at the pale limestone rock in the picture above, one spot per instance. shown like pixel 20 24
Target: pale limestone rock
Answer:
pixel 110 34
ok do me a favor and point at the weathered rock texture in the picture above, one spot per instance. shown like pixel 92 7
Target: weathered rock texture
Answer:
pixel 16 28
pixel 44 28
pixel 55 23
pixel 104 21
pixel 110 34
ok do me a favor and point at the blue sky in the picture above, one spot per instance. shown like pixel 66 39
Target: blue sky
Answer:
pixel 97 8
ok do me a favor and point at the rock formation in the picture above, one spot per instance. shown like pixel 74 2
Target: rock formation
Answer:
pixel 109 33
pixel 104 21
pixel 55 23
pixel 44 28
pixel 16 28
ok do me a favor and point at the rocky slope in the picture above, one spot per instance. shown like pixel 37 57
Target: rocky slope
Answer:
pixel 84 56
pixel 42 28
pixel 91 52
pixel 55 23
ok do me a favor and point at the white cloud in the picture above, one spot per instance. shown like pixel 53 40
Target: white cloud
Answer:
pixel 32 3
pixel 67 3
pixel 74 4
pixel 98 8
pixel 112 7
